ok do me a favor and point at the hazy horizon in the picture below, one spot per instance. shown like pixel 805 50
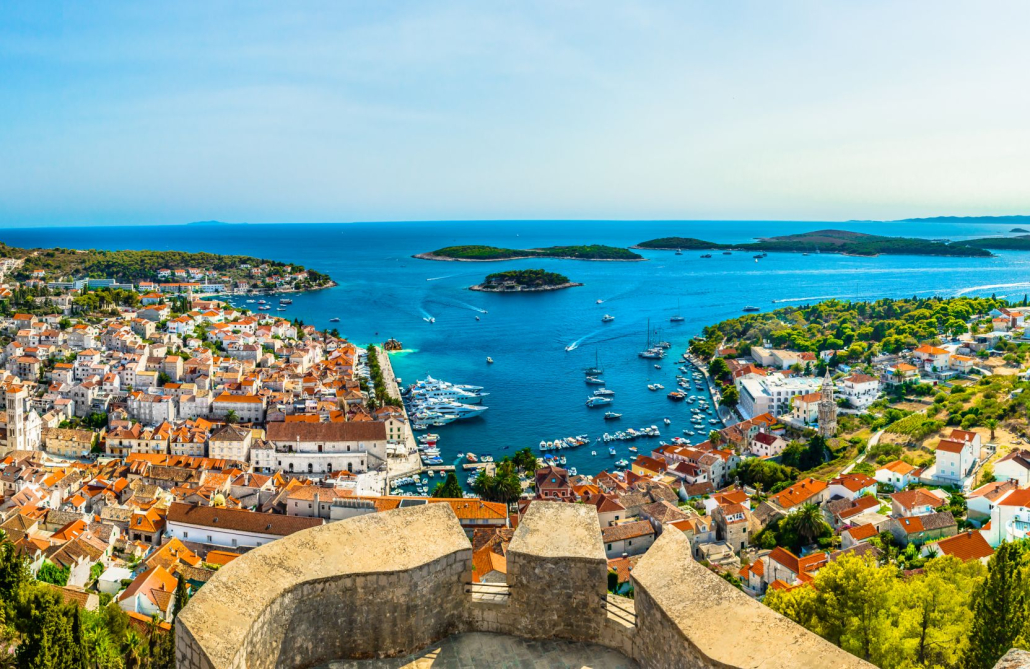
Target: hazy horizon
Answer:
pixel 114 114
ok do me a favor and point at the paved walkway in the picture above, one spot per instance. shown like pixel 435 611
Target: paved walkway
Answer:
pixel 499 651
pixel 400 465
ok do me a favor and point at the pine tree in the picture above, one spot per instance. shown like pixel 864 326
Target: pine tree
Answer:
pixel 1000 606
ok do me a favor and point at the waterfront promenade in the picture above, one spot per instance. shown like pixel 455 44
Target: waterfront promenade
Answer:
pixel 405 461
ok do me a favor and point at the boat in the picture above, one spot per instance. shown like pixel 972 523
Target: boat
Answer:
pixel 261 302
pixel 622 463
pixel 594 381
pixel 611 450
pixel 489 360
pixel 595 401
pixel 596 370
pixel 726 253
pixel 570 347
pixel 604 391
pixel 676 396
pixel 572 471
pixel 667 421
pixel 600 301
pixel 477 318
pixel 607 318
pixel 611 415
pixel 334 320
pixel 283 300
pixel 679 252
pixel 751 308
pixel 471 457
pixel 430 473
pixel 707 255
pixel 281 309
pixel 657 366
pixel 677 318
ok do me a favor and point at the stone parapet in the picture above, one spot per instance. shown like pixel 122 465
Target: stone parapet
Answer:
pixel 558 573
pixel 373 586
pixel 689 618
pixel 391 584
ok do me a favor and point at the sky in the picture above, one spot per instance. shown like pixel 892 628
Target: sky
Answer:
pixel 163 113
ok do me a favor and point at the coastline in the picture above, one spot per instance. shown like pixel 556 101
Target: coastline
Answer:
pixel 479 287
pixel 430 256
pixel 808 251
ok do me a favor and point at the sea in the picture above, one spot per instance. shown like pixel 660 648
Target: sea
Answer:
pixel 541 342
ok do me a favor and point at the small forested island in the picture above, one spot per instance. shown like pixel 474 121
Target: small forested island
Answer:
pixel 1019 230
pixel 524 281
pixel 491 253
pixel 208 271
pixel 836 241
pixel 1020 243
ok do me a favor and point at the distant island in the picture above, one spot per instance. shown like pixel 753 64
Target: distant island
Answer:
pixel 204 272
pixel 524 281
pixel 492 253
pixel 1019 230
pixel 833 241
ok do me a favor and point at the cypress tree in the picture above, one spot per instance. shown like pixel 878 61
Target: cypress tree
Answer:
pixel 182 595
pixel 1000 606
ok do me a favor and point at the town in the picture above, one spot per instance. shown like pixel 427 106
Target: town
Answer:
pixel 149 440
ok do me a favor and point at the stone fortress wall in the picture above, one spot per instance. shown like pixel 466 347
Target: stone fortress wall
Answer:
pixel 390 584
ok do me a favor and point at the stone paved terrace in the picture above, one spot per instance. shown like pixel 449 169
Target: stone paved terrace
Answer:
pixel 478 650
pixel 396 585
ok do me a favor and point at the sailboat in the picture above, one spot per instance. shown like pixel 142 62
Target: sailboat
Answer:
pixel 677 318
pixel 596 370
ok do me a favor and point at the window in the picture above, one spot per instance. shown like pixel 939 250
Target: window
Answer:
pixel 209 538
pixel 185 535
pixel 234 542
pixel 609 546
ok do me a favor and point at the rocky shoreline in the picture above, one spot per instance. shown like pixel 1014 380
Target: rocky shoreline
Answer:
pixel 484 288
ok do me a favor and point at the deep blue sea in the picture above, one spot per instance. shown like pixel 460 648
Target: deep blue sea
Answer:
pixel 537 389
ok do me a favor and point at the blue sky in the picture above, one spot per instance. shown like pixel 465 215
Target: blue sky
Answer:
pixel 120 113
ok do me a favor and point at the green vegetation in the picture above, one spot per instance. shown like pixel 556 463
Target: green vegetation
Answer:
pixel 949 614
pixel 450 488
pixel 135 266
pixel 505 485
pixel 681 243
pixel 857 330
pixel 831 241
pixel 38 630
pixel 525 279
pixel 587 252
pixel 1021 243
pixel 379 396
pixel 890 619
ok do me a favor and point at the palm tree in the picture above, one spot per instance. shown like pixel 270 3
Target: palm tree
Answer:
pixel 991 423
pixel 232 417
pixel 808 522
pixel 135 651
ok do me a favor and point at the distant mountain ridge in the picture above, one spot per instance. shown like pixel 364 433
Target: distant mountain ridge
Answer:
pixel 1015 218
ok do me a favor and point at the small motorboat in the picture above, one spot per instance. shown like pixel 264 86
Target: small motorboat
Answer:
pixel 489 360
pixel 477 318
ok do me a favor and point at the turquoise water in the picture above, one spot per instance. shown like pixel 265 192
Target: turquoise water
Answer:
pixel 536 387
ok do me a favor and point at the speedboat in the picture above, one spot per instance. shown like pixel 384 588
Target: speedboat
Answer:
pixel 598 401
pixel 600 301
pixel 676 319
pixel 334 320
pixel 657 366
pixel 429 319
pixel 477 318
pixel 750 308
pixel 611 450
pixel 706 255
pixel 604 391
pixel 667 421
pixel 594 381
pixel 489 360
pixel 611 415
pixel 679 252
pixel 607 318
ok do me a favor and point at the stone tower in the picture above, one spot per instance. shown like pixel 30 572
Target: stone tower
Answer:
pixel 827 409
